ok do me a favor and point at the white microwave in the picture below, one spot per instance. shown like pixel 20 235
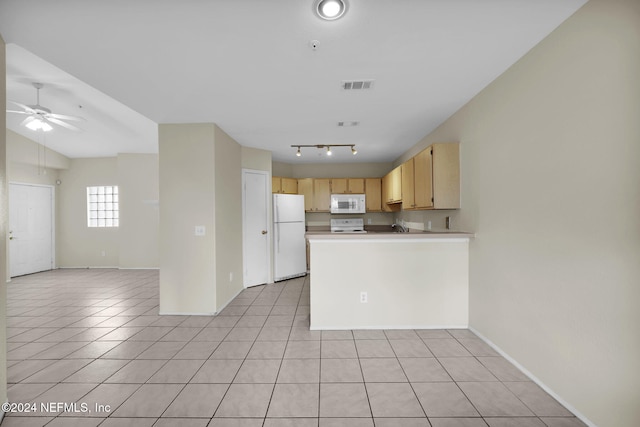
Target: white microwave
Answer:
pixel 348 204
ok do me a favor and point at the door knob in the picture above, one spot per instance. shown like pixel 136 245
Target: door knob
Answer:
pixel 264 231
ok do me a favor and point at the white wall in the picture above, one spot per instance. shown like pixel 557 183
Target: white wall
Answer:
pixel 550 156
pixel 410 283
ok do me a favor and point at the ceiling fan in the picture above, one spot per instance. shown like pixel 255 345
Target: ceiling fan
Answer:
pixel 40 118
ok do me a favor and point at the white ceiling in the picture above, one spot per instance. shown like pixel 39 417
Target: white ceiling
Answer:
pixel 247 66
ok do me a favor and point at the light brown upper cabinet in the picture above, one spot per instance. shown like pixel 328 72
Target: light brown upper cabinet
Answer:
pixel 373 194
pixel 423 179
pixel 431 179
pixel 446 175
pixel 392 185
pixel 284 185
pixel 408 190
pixel 347 186
pixel 339 186
pixel 322 195
pixel 355 185
pixel 305 187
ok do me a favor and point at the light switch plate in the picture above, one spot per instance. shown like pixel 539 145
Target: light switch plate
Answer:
pixel 200 230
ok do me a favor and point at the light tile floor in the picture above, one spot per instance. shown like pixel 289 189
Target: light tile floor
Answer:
pixel 94 338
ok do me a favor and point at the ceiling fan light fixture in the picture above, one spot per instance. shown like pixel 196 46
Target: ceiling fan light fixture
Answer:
pixel 330 10
pixel 299 153
pixel 329 150
pixel 353 150
pixel 39 124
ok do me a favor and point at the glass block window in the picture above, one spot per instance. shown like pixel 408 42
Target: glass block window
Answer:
pixel 102 206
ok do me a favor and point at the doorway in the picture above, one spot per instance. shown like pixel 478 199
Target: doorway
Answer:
pixel 31 229
pixel 256 253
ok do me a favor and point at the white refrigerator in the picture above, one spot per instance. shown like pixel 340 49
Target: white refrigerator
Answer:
pixel 289 246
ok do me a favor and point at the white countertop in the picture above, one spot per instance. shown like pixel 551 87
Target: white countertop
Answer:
pixel 390 236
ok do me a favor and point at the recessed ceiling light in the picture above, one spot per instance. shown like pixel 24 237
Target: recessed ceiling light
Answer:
pixel 330 9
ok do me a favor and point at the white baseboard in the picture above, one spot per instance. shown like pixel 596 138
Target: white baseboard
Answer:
pixel 180 313
pixel 168 313
pixel 386 327
pixel 229 302
pixel 535 379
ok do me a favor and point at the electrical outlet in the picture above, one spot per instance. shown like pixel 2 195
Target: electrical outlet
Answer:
pixel 200 230
pixel 364 298
pixel 103 253
pixel 369 221
pixel 428 225
pixel 231 276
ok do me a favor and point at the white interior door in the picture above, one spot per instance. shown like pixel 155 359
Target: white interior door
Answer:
pixel 30 229
pixel 255 226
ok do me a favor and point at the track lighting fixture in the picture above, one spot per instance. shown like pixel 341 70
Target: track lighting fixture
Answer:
pixel 327 146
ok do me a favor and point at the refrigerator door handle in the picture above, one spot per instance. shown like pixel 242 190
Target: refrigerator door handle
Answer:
pixel 278 239
pixel 277 217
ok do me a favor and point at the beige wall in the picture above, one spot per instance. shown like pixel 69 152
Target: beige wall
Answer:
pixel 76 244
pixel 332 170
pixel 187 199
pixel 138 232
pixel 3 228
pixel 134 244
pixel 550 158
pixel 25 151
pixel 200 185
pixel 228 201
pixel 254 158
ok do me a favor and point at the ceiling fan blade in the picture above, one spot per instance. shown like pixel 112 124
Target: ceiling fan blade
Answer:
pixel 27 120
pixel 63 117
pixel 17 112
pixel 26 108
pixel 63 124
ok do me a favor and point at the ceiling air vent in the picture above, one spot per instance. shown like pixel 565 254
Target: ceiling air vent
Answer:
pixel 348 124
pixel 357 84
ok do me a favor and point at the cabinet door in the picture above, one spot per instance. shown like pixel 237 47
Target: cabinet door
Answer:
pixel 396 185
pixel 321 195
pixel 408 192
pixel 305 187
pixel 373 194
pixel 355 185
pixel 446 176
pixel 276 184
pixel 289 186
pixel 422 168
pixel 338 185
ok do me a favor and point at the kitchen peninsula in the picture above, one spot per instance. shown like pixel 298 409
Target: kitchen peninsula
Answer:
pixel 389 280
